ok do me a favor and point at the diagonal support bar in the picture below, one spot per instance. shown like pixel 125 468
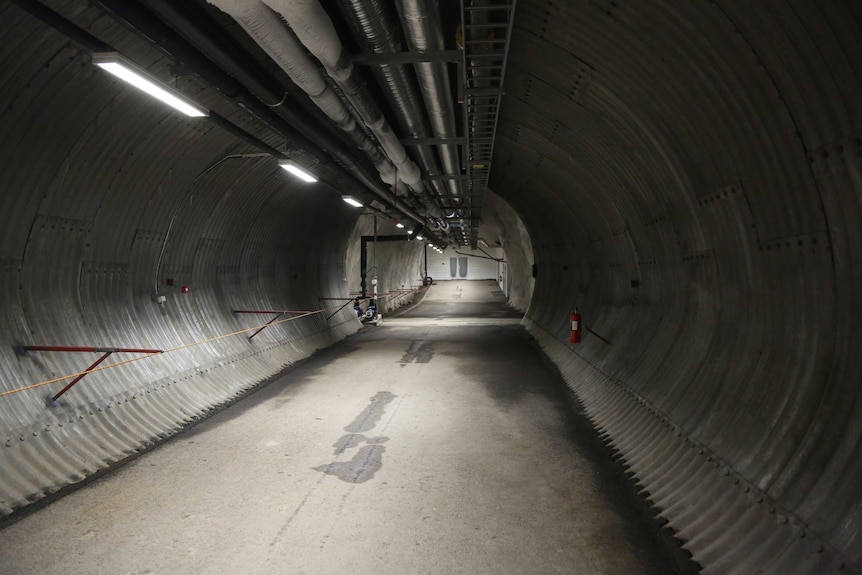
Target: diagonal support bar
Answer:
pixel 278 315
pixel 597 335
pixel 105 351
pixel 80 377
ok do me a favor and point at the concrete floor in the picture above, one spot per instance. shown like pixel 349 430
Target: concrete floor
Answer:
pixel 424 445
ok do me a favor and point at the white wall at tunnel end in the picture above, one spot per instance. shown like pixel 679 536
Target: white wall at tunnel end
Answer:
pixel 465 264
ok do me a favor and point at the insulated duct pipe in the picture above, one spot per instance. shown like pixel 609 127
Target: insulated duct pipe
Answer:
pixel 285 119
pixel 267 29
pixel 374 27
pixel 424 33
pixel 315 30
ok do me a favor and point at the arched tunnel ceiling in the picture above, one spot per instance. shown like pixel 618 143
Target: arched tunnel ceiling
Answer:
pixel 689 173
pixel 651 107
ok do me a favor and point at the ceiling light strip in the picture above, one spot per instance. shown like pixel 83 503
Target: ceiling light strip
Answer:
pixel 117 65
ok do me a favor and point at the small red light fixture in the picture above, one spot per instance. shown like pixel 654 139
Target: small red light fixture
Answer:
pixel 184 289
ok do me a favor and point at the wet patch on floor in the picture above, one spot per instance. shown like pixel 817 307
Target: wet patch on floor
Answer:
pixel 348 441
pixel 369 459
pixel 352 440
pixel 419 352
pixel 369 416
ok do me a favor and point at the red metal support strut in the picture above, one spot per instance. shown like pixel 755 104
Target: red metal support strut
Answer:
pixel 105 351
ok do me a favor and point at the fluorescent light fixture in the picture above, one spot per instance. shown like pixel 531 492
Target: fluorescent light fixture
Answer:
pixel 114 63
pixel 409 232
pixel 420 238
pixel 352 201
pixel 297 171
pixel 399 225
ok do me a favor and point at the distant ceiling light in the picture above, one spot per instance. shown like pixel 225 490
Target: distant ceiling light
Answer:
pixel 409 232
pixel 400 225
pixel 420 238
pixel 352 201
pixel 297 171
pixel 114 63
pixel 484 243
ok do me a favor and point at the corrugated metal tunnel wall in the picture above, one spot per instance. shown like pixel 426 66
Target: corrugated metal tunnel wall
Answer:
pixel 708 153
pixel 94 177
pixel 689 172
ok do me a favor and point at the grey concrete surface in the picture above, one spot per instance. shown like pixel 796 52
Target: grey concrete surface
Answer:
pixel 408 448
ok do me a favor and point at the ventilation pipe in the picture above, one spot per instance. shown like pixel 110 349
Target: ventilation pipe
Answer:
pixel 208 65
pixel 375 28
pixel 424 33
pixel 267 29
pixel 315 30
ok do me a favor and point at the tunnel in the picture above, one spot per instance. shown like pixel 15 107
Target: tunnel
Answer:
pixel 685 175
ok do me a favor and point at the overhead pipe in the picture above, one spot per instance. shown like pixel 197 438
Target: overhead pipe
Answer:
pixel 267 29
pixel 94 45
pixel 375 28
pixel 312 25
pixel 424 33
pixel 284 118
pixel 62 25
pixel 168 40
pixel 241 134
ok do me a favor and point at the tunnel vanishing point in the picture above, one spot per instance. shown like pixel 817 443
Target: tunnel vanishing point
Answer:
pixel 687 174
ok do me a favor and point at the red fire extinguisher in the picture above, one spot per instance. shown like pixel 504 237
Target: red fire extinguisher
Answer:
pixel 576 327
